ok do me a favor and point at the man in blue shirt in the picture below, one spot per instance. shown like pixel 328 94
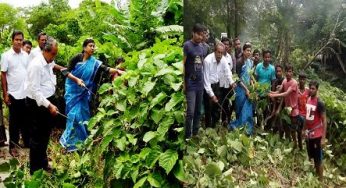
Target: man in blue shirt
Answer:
pixel 193 79
pixel 265 71
pixel 265 74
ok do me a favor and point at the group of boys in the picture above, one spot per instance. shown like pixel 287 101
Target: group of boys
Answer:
pixel 208 78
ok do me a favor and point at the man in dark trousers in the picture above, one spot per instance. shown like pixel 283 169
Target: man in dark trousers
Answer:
pixel 14 64
pixel 217 82
pixel 40 89
pixel 193 79
pixel 315 127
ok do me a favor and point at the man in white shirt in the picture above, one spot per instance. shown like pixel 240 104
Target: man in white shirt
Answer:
pixel 13 74
pixel 230 59
pixel 40 88
pixel 217 76
pixel 41 39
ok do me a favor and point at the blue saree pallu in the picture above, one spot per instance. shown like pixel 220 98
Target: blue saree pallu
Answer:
pixel 77 103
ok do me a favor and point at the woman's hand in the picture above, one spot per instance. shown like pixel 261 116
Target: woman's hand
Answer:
pixel 247 93
pixel 80 82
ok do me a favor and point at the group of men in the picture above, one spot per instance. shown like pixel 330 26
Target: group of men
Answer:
pixel 28 84
pixel 208 82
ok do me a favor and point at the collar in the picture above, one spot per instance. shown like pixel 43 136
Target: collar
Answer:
pixel 214 59
pixel 13 52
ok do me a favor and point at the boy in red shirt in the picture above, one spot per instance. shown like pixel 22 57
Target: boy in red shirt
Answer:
pixel 316 127
pixel 289 90
pixel 303 94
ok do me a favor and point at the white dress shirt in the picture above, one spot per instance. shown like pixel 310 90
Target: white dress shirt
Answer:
pixel 34 52
pixel 216 72
pixel 15 65
pixel 41 81
pixel 229 61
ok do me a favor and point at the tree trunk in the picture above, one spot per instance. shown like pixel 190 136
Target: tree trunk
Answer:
pixel 236 19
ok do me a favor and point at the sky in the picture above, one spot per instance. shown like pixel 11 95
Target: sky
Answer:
pixel 29 3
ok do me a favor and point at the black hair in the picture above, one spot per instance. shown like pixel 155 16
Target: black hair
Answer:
pixel 302 75
pixel 118 60
pixel 235 39
pixel 278 66
pixel 314 83
pixel 266 52
pixel 224 39
pixel 15 33
pixel 288 67
pixel 246 45
pixel 40 34
pixel 27 42
pixel 86 42
pixel 256 51
pixel 198 28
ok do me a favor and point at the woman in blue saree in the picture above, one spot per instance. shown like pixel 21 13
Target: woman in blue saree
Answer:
pixel 85 67
pixel 243 105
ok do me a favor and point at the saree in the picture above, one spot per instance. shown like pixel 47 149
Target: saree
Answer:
pixel 243 105
pixel 77 103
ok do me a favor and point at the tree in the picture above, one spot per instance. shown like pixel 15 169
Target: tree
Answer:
pixel 7 18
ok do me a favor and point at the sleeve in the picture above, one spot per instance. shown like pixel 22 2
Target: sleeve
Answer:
pixel 77 58
pixel 34 76
pixel 186 49
pixel 4 63
pixel 206 82
pixel 228 73
pixel 104 68
pixel 320 107
pixel 257 70
pixel 273 74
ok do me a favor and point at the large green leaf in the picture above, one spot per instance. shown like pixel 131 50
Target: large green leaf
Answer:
pixel 68 185
pixel 168 159
pixel 140 182
pixel 148 136
pixel 152 157
pixel 164 127
pixel 164 71
pixel 4 167
pixel 176 98
pixel 121 105
pixel 153 181
pixel 105 87
pixel 212 170
pixel 121 143
pixel 158 99
pixel 156 115
pixel 133 81
pixel 178 171
pixel 148 86
pixel 238 146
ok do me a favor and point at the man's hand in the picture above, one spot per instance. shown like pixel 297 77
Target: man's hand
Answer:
pixel 7 100
pixel 214 99
pixel 271 95
pixel 53 109
pixel 247 93
pixel 323 142
pixel 120 72
pixel 233 85
pixel 80 82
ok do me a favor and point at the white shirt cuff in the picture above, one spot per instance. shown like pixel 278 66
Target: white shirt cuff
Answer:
pixel 46 103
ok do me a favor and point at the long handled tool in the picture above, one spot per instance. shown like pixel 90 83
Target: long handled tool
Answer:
pixel 83 86
pixel 63 115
